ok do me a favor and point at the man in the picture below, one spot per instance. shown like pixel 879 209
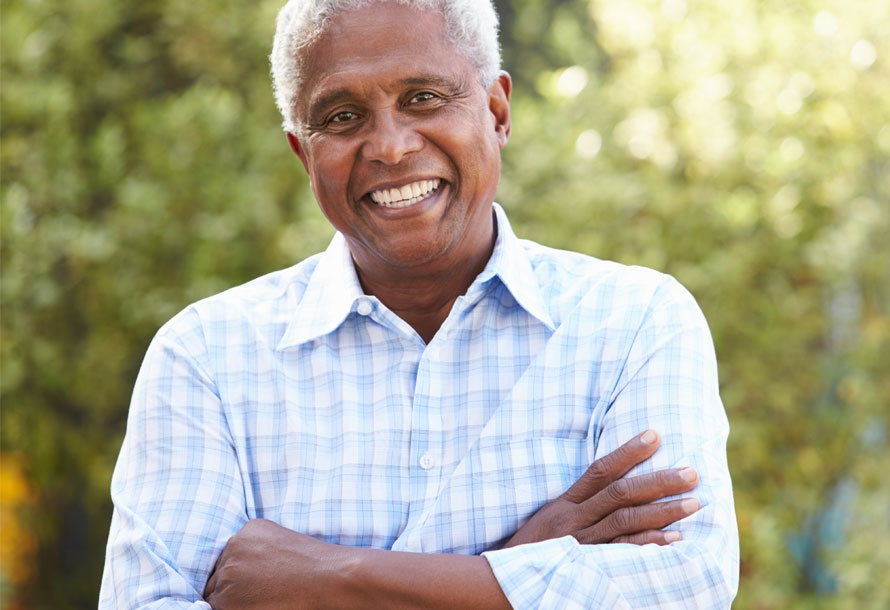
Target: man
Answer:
pixel 408 420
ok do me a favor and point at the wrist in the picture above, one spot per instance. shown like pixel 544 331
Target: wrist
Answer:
pixel 342 578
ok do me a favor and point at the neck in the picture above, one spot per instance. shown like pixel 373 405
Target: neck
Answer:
pixel 423 296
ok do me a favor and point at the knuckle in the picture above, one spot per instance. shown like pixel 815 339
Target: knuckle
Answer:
pixel 667 510
pixel 249 529
pixel 646 538
pixel 665 478
pixel 662 483
pixel 619 491
pixel 639 539
pixel 663 513
pixel 664 506
pixel 599 470
pixel 626 452
pixel 621 520
pixel 592 535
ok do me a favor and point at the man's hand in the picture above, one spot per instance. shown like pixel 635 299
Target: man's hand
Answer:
pixel 268 566
pixel 602 507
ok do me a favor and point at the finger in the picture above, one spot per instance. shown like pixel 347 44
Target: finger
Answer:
pixel 659 537
pixel 211 585
pixel 613 466
pixel 214 574
pixel 634 491
pixel 627 521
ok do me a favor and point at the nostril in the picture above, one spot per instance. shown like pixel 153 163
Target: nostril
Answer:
pixel 388 142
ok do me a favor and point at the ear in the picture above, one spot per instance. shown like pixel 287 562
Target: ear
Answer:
pixel 298 149
pixel 499 105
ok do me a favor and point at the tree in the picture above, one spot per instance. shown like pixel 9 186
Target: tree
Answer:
pixel 743 147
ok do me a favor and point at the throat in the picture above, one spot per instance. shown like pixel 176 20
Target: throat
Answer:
pixel 425 325
pixel 424 303
pixel 423 296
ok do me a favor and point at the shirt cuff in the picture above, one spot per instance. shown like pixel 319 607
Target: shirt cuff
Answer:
pixel 524 572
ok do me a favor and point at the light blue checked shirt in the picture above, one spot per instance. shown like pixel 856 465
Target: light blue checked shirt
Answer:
pixel 299 399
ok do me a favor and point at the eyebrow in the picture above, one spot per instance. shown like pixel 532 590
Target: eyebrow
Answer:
pixel 340 95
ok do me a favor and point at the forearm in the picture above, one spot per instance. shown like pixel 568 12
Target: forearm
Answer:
pixel 177 490
pixel 699 571
pixel 544 575
pixel 267 566
pixel 373 579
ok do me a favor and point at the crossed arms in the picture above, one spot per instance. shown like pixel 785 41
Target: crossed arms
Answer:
pixel 184 502
pixel 266 566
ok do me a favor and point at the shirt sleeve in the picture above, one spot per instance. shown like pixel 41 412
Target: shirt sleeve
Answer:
pixel 668 383
pixel 177 489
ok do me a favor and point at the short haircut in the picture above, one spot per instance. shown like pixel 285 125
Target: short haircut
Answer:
pixel 471 26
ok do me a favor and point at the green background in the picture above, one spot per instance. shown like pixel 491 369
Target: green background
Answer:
pixel 742 146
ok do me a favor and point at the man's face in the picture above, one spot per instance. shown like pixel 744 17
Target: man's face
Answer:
pixel 400 139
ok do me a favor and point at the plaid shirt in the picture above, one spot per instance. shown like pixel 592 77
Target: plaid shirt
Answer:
pixel 299 399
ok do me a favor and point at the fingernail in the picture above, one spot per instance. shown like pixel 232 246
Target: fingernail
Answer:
pixel 649 437
pixel 690 505
pixel 687 474
pixel 672 536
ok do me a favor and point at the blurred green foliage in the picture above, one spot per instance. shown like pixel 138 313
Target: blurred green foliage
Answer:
pixel 742 146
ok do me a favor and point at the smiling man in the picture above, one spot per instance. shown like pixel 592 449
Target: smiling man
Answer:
pixel 402 142
pixel 432 413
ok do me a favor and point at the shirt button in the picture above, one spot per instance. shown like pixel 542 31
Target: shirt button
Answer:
pixel 364 307
pixel 427 461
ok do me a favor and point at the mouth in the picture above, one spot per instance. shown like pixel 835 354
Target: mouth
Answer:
pixel 404 196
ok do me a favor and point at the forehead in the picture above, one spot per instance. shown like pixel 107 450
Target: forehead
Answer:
pixel 377 45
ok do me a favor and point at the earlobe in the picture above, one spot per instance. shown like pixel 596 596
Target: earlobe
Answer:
pixel 499 105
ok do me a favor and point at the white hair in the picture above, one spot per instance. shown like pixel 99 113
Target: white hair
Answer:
pixel 471 26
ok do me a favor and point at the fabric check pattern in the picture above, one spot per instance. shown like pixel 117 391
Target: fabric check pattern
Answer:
pixel 299 399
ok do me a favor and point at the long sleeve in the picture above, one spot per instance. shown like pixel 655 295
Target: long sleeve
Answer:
pixel 177 490
pixel 297 398
pixel 668 383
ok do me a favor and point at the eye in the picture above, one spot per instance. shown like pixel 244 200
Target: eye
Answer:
pixel 423 96
pixel 343 117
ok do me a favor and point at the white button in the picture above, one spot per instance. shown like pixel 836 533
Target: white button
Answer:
pixel 427 461
pixel 364 307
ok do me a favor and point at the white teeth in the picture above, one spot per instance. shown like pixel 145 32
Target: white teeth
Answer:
pixel 406 195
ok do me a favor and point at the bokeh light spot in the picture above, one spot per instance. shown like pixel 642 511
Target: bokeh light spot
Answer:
pixel 791 149
pixel 863 54
pixel 588 143
pixel 825 24
pixel 572 81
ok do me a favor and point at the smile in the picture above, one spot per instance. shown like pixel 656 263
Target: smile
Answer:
pixel 406 195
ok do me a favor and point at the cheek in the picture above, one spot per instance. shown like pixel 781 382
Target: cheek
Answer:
pixel 480 159
pixel 329 176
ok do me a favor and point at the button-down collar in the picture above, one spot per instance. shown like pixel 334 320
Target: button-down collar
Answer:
pixel 334 290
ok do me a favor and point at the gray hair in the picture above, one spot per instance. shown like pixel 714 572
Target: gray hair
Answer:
pixel 471 26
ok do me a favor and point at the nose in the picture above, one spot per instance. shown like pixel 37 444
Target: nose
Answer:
pixel 390 138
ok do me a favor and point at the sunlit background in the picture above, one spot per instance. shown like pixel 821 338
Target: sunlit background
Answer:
pixel 742 146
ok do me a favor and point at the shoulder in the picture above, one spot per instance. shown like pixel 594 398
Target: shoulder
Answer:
pixel 262 306
pixel 573 283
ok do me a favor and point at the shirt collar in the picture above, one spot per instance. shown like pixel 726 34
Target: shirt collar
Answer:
pixel 509 262
pixel 334 289
pixel 330 296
